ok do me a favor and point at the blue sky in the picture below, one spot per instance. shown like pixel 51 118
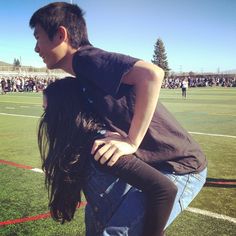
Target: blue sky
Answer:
pixel 199 35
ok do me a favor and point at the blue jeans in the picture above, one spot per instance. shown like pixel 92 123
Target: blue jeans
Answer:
pixel 189 185
pixel 117 209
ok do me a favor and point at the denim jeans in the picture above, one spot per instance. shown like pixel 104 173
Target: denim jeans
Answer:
pixel 189 185
pixel 117 209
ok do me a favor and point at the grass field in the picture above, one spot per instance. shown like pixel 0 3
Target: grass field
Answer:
pixel 206 111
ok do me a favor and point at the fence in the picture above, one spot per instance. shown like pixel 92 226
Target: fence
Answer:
pixel 30 71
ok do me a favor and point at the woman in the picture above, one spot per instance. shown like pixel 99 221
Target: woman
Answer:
pixel 66 134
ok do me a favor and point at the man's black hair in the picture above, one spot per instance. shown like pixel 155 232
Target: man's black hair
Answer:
pixel 54 15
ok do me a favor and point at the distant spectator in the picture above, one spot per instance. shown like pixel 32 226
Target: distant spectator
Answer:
pixel 3 86
pixel 184 87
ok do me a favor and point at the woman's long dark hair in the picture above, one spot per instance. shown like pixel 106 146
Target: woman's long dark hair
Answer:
pixel 64 137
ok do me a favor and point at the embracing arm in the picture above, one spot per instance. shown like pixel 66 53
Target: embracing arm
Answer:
pixel 147 79
pixel 159 191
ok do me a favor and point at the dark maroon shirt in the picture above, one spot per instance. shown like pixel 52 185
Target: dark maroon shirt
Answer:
pixel 166 145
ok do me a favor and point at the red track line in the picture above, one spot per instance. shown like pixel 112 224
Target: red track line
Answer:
pixel 21 220
pixel 30 168
pixel 47 215
pixel 15 164
pixel 221 182
pixel 31 218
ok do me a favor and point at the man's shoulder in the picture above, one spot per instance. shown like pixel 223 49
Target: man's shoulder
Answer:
pixel 90 50
pixel 91 57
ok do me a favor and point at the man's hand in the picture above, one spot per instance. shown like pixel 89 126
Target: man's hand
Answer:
pixel 111 148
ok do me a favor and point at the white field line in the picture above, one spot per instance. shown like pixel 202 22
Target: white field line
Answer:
pixel 190 209
pixel 37 170
pixel 24 106
pixel 215 135
pixel 19 102
pixel 8 114
pixel 211 214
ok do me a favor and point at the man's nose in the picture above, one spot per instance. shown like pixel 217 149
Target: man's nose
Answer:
pixel 36 49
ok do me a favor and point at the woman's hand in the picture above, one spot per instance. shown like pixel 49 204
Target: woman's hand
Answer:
pixel 112 147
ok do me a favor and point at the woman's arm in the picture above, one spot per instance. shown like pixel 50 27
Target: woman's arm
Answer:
pixel 159 190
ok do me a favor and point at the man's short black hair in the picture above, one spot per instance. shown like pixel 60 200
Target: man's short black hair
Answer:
pixel 54 15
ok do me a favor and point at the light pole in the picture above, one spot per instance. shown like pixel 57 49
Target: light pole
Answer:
pixel 180 69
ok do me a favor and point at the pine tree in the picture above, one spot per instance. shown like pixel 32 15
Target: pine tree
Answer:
pixel 160 56
pixel 16 64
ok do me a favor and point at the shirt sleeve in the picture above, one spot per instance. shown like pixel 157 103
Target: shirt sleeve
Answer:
pixel 103 69
pixel 159 190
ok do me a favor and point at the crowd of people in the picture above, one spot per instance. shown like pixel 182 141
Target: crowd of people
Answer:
pixel 211 80
pixel 24 83
pixel 37 83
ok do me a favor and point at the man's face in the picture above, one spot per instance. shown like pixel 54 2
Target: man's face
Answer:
pixel 51 51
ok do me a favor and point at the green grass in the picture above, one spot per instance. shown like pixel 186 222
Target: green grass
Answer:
pixel 23 195
pixel 206 110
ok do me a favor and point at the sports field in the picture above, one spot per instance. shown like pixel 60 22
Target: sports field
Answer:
pixel 208 113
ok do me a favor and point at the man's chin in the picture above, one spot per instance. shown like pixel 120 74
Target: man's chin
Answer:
pixel 53 66
pixel 50 67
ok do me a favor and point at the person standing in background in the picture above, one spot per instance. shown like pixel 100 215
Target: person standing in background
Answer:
pixel 184 88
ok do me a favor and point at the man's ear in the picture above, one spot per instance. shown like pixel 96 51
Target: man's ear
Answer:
pixel 62 34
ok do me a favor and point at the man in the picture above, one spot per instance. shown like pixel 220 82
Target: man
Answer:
pixel 124 92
